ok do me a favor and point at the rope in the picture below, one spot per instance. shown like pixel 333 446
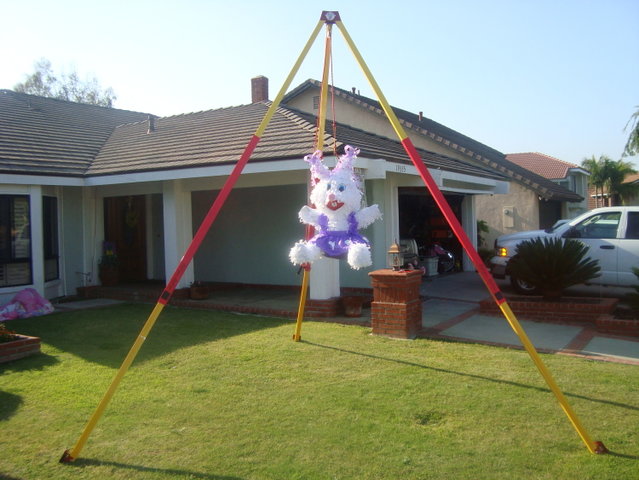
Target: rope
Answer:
pixel 333 106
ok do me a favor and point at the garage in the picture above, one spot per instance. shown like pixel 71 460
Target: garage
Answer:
pixel 422 226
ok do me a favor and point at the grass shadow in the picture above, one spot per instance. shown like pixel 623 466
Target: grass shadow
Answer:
pixel 105 335
pixel 9 403
pixel 472 375
pixel 622 455
pixel 89 462
pixel 37 361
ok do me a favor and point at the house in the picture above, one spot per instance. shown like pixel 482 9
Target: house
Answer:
pixel 73 176
pixel 532 200
pixel 568 175
pixel 633 199
pixel 598 198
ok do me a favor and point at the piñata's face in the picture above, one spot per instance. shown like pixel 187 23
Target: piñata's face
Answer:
pixel 336 194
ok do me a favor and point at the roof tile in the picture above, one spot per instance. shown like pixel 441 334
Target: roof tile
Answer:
pixel 548 167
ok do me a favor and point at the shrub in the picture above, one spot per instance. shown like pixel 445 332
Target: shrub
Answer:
pixel 6 335
pixel 551 265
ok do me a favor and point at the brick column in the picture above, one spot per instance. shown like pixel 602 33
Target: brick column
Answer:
pixel 396 310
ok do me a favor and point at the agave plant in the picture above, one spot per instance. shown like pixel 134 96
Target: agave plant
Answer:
pixel 550 265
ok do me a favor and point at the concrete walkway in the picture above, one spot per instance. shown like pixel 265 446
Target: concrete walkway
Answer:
pixel 451 311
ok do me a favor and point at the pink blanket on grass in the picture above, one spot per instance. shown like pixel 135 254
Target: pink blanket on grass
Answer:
pixel 26 303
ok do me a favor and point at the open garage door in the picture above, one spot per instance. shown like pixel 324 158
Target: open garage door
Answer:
pixel 420 219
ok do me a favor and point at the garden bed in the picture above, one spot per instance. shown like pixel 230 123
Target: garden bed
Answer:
pixel 598 313
pixel 22 346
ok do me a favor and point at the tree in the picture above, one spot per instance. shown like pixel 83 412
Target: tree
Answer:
pixel 607 176
pixel 632 146
pixel 596 179
pixel 45 83
pixel 617 173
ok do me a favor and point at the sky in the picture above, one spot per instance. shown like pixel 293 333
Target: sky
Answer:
pixel 559 77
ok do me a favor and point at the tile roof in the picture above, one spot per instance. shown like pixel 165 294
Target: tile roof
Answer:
pixel 220 136
pixel 475 150
pixel 53 137
pixel 548 167
pixel 632 178
pixel 43 136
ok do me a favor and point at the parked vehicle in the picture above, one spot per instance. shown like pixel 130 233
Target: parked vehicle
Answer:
pixel 611 233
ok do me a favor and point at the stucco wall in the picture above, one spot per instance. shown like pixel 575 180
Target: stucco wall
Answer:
pixel 525 212
pixel 251 238
pixel 350 114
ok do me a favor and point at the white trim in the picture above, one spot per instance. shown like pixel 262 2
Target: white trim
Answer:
pixel 197 172
pixel 43 180
pixel 374 168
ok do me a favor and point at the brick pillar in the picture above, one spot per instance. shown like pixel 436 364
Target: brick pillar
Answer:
pixel 396 310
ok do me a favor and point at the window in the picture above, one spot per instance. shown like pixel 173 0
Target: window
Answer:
pixel 15 240
pixel 602 225
pixel 50 238
pixel 632 230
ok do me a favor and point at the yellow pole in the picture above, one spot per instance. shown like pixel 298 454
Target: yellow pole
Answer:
pixel 593 447
pixel 72 454
pixel 321 127
pixel 297 336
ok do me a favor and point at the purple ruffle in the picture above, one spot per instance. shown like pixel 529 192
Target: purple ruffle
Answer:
pixel 335 243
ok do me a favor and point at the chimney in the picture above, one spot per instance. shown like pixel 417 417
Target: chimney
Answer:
pixel 151 124
pixel 259 89
pixel 421 116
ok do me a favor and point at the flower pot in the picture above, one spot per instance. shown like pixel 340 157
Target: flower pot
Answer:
pixel 198 292
pixel 353 305
pixel 109 276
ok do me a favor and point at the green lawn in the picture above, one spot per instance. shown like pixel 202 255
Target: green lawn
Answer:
pixel 221 396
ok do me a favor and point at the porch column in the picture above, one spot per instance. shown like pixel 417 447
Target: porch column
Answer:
pixel 178 229
pixel 469 223
pixel 324 279
pixel 37 254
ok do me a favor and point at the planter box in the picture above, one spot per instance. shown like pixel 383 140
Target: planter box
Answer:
pixel 353 305
pixel 22 347
pixel 199 293
pixel 593 312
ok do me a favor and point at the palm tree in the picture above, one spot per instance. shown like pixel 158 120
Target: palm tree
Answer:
pixel 618 172
pixel 597 177
pixel 607 176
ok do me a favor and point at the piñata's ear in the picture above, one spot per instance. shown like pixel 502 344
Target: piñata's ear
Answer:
pixel 318 169
pixel 345 162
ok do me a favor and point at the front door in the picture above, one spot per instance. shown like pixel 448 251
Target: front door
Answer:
pixel 125 226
